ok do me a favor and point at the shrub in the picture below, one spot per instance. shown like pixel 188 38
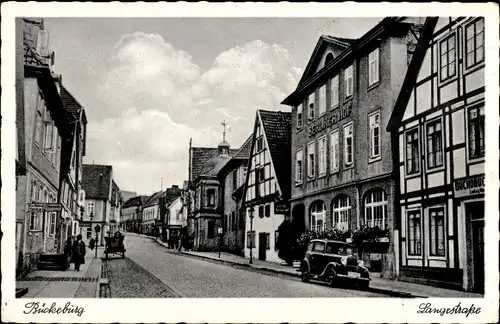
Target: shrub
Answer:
pixel 369 234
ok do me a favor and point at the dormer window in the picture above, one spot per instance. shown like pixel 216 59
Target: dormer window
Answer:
pixel 310 105
pixel 328 58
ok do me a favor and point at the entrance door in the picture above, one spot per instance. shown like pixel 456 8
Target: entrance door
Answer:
pixel 475 211
pixel 262 246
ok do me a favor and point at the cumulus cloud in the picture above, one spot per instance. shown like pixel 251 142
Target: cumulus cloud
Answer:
pixel 157 98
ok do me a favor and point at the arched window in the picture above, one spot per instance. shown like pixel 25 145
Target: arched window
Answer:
pixel 376 209
pixel 317 216
pixel 341 212
pixel 328 58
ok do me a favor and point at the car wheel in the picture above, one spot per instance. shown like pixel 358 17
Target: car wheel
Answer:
pixel 333 278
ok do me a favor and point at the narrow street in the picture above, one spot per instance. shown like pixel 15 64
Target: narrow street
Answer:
pixel 150 270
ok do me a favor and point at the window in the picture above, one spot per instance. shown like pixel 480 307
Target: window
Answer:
pixel 414 233
pixel 310 110
pixel 376 209
pixel 412 152
pixel 276 238
pixel 36 219
pixel 348 144
pixel 250 239
pixel 322 156
pixel 474 42
pixel 268 241
pixel 436 239
pixel 52 223
pixel 38 130
pixel 299 115
pixel 259 177
pixel 318 247
pixel 210 229
pixel 447 59
pixel 317 217
pixel 261 211
pixel 334 151
pixel 434 144
pixel 260 144
pixel 48 132
pixel 89 233
pixel 348 82
pixel 235 179
pixel 298 167
pixel 322 100
pixel 335 92
pixel 268 210
pixel 90 208
pixel 33 191
pixel 374 120
pixel 211 197
pixel 373 67
pixel 476 132
pixel 311 162
pixel 328 58
pixel 341 213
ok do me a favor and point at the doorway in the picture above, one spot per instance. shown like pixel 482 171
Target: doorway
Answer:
pixel 262 246
pixel 475 213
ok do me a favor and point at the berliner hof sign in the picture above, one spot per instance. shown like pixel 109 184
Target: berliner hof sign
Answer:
pixel 469 186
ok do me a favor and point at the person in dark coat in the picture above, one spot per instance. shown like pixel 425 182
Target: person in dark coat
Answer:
pixel 92 243
pixel 68 252
pixel 79 251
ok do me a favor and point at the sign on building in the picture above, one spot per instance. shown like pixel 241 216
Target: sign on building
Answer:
pixel 281 207
pixel 469 186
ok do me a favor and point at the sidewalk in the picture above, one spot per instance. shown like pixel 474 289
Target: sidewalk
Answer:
pixel 65 284
pixel 385 286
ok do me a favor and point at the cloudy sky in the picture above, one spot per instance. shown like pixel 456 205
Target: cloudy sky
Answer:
pixel 150 84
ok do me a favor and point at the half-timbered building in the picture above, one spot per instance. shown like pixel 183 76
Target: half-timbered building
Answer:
pixel 438 131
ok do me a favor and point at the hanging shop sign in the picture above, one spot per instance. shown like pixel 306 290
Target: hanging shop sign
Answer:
pixel 281 207
pixel 329 119
pixel 469 186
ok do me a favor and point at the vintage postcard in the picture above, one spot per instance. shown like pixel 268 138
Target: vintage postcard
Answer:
pixel 250 163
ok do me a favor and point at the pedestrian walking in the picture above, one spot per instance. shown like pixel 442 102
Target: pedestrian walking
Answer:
pixel 92 244
pixel 78 256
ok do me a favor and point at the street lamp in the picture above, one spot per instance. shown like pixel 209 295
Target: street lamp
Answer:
pixel 219 231
pixel 251 210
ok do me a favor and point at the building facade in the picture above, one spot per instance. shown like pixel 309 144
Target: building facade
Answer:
pixel 267 184
pixel 130 214
pixel 115 204
pixel 41 125
pixel 97 182
pixel 438 125
pixel 151 213
pixel 232 176
pixel 341 153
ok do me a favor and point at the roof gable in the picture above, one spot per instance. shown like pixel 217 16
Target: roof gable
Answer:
pixel 326 44
pixel 200 156
pixel 154 198
pixel 96 180
pixel 71 105
pixel 277 127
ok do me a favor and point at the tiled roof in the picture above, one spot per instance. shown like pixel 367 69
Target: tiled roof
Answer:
pixel 135 201
pixel 71 105
pixel 277 127
pixel 214 165
pixel 127 195
pixel 200 156
pixel 153 199
pixel 96 180
pixel 31 57
pixel 244 150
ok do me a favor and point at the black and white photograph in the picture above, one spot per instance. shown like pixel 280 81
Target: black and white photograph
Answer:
pixel 231 161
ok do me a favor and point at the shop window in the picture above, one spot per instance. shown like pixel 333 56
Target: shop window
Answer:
pixel 317 216
pixel 376 209
pixel 434 144
pixel 436 231
pixel 341 212
pixel 474 42
pixel 414 232
pixel 476 132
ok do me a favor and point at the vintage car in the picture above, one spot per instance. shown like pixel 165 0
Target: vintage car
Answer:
pixel 331 261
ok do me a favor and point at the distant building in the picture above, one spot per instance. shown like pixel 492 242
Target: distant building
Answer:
pixel 116 202
pixel 175 217
pixel 41 124
pixel 126 195
pixel 151 213
pixel 438 127
pixel 232 177
pixel 97 182
pixel 267 187
pixel 131 213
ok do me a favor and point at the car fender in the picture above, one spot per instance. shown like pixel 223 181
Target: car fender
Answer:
pixel 329 266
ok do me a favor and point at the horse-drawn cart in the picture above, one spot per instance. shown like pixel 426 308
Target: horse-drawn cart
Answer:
pixel 114 244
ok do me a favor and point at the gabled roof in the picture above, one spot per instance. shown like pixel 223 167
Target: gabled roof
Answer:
pixel 244 152
pixel 412 74
pixel 154 198
pixel 135 201
pixel 323 42
pixel 200 156
pixel 96 180
pixel 213 166
pixel 277 128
